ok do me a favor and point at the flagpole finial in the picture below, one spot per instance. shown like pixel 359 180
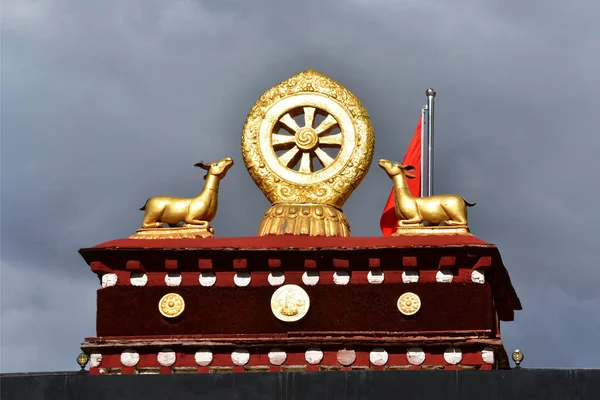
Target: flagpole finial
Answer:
pixel 430 92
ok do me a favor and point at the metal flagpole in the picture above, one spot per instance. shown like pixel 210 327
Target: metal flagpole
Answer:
pixel 424 149
pixel 430 93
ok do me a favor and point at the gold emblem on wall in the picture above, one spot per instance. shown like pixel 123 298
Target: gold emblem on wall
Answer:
pixel 171 305
pixel 409 303
pixel 290 303
pixel 307 143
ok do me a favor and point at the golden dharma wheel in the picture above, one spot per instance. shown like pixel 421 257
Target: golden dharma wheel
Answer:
pixel 307 143
pixel 308 140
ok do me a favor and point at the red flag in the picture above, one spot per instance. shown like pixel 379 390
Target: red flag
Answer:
pixel 389 220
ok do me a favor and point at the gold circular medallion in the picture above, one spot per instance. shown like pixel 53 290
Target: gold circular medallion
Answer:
pixel 290 303
pixel 171 305
pixel 409 303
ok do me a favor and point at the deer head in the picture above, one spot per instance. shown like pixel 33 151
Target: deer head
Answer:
pixel 393 168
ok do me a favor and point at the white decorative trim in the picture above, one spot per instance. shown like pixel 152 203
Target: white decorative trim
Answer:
pixel 207 278
pixel 240 356
pixel 487 355
pixel 313 356
pixel 453 355
pixel 242 279
pixel 378 356
pixel 410 276
pixel 277 356
pixel 310 278
pixel 203 357
pixel 95 359
pixel 444 276
pixel 130 358
pixel 109 280
pixel 346 357
pixel 375 276
pixel 341 277
pixel 173 279
pixel 478 276
pixel 138 279
pixel 276 278
pixel 415 356
pixel 166 357
pixel 147 371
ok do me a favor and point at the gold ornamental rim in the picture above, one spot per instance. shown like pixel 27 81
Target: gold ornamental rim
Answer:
pixel 163 308
pixel 308 174
pixel 294 318
pixel 409 309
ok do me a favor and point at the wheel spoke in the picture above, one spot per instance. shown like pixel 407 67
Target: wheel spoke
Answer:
pixel 323 157
pixel 288 156
pixel 331 139
pixel 309 116
pixel 305 164
pixel 279 139
pixel 326 124
pixel 289 122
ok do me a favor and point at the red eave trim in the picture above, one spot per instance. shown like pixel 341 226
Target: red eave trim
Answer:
pixel 298 242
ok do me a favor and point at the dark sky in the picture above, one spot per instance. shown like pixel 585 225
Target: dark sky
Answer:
pixel 105 103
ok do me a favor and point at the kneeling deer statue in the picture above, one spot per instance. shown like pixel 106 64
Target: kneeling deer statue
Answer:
pixel 448 208
pixel 197 211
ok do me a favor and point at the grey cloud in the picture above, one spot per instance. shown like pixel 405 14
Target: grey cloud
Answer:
pixel 104 105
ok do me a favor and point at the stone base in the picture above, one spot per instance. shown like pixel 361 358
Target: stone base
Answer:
pixel 183 232
pixel 412 230
pixel 304 219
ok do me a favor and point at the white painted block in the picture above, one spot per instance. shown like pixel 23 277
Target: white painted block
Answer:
pixel 242 279
pixel 310 278
pixel 166 357
pixel 410 276
pixel 341 277
pixel 240 356
pixel 415 356
pixel 109 280
pixel 203 357
pixel 444 276
pixel 346 357
pixel 207 278
pixel 313 356
pixel 276 278
pixel 378 356
pixel 130 358
pixel 453 355
pixel 277 356
pixel 375 276
pixel 487 355
pixel 173 279
pixel 95 359
pixel 138 279
pixel 478 276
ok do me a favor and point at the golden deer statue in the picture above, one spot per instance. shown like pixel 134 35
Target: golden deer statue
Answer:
pixel 195 212
pixel 450 209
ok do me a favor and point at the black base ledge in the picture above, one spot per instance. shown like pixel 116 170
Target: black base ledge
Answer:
pixel 507 384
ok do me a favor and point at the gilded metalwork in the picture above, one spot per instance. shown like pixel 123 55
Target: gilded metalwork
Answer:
pixel 290 303
pixel 412 212
pixel 82 360
pixel 307 141
pixel 517 357
pixel 171 305
pixel 409 303
pixel 196 212
pixel 304 219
